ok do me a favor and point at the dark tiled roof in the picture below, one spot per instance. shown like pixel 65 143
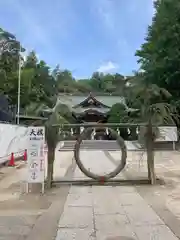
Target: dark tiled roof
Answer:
pixel 72 101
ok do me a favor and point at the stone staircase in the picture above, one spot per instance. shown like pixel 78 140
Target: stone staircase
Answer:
pixel 103 145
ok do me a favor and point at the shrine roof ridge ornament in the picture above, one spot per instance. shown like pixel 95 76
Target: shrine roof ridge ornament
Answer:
pixel 90 99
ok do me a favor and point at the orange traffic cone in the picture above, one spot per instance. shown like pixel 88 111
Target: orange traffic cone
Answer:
pixel 11 162
pixel 25 155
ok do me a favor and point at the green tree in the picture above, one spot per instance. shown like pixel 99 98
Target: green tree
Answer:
pixel 153 111
pixel 96 81
pixel 31 61
pixel 159 55
pixel 119 114
pixel 120 83
pixel 10 49
pixel 65 81
pixel 159 58
pixel 56 71
pixel 10 57
pixel 108 83
pixel 57 116
pixel 41 84
pixel 84 86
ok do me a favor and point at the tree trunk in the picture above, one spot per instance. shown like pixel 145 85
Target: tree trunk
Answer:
pixel 51 156
pixel 150 154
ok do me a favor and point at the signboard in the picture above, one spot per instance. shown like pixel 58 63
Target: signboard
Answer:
pixel 35 154
pixel 167 134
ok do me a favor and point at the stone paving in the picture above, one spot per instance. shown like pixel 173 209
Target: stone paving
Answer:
pixel 105 212
pixel 97 212
pixel 24 216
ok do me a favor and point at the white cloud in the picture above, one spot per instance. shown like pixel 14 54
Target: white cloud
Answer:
pixel 107 67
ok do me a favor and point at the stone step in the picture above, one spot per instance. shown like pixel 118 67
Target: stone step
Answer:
pixel 103 145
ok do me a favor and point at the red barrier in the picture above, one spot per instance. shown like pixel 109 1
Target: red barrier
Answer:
pixel 11 161
pixel 25 155
pixel 102 180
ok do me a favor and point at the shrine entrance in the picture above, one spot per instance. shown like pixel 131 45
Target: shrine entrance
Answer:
pixel 92 161
pixel 120 165
pixel 89 137
pixel 91 110
pixel 93 116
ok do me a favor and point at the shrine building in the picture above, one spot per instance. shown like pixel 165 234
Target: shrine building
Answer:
pixel 90 108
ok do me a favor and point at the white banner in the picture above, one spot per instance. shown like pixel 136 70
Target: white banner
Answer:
pixel 35 154
pixel 167 134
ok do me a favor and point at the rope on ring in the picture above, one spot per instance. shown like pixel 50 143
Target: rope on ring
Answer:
pixel 89 174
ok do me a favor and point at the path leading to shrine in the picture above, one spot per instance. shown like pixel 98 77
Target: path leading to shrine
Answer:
pixel 97 212
pixel 114 213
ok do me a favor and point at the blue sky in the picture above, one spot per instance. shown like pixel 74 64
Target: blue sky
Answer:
pixel 81 35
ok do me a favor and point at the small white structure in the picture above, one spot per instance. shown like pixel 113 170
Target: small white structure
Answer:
pixel 168 134
pixel 13 139
pixel 36 156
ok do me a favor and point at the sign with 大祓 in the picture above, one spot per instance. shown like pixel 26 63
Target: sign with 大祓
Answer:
pixel 35 154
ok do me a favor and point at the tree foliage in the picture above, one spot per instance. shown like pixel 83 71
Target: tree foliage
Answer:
pixel 118 114
pixel 159 55
pixel 39 84
pixel 152 92
pixel 157 93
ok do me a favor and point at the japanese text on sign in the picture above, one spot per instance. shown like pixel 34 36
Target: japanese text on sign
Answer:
pixel 36 133
pixel 36 159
